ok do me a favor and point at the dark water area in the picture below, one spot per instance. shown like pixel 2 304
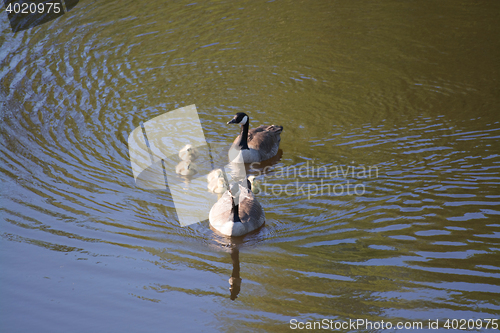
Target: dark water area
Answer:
pixel 383 203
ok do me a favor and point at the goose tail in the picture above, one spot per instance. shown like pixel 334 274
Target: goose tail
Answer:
pixel 233 229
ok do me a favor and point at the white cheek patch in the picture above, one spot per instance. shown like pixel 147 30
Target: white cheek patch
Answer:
pixel 244 120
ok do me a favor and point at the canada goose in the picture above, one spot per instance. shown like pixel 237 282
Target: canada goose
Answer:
pixel 188 153
pixel 215 174
pixel 186 168
pixel 258 144
pixel 254 184
pixel 218 185
pixel 216 181
pixel 237 212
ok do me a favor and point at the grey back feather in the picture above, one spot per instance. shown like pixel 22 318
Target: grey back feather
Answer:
pixel 265 140
pixel 250 211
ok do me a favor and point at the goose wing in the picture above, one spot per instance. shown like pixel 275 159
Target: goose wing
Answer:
pixel 251 212
pixel 265 139
pixel 221 211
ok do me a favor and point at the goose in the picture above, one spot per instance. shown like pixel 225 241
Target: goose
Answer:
pixel 186 168
pixel 257 144
pixel 215 174
pixel 216 181
pixel 188 153
pixel 254 185
pixel 237 212
pixel 218 185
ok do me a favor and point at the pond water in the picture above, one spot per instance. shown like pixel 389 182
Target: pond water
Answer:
pixel 393 101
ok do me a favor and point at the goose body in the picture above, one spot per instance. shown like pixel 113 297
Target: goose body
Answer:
pixel 236 213
pixel 256 144
pixel 186 168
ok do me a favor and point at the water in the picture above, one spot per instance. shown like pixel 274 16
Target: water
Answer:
pixel 408 89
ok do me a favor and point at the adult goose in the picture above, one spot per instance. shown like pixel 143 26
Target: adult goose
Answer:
pixel 257 144
pixel 237 212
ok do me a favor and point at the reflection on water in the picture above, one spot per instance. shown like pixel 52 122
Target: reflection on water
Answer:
pixel 233 245
pixel 235 280
pixel 405 87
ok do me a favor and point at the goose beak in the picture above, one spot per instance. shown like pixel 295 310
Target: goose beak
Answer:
pixel 232 121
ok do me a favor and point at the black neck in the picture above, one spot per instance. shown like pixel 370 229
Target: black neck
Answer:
pixel 244 136
pixel 234 212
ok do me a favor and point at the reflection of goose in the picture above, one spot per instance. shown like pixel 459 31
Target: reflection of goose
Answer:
pixel 233 245
pixel 188 153
pixel 186 168
pixel 257 144
pixel 237 212
pixel 235 280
